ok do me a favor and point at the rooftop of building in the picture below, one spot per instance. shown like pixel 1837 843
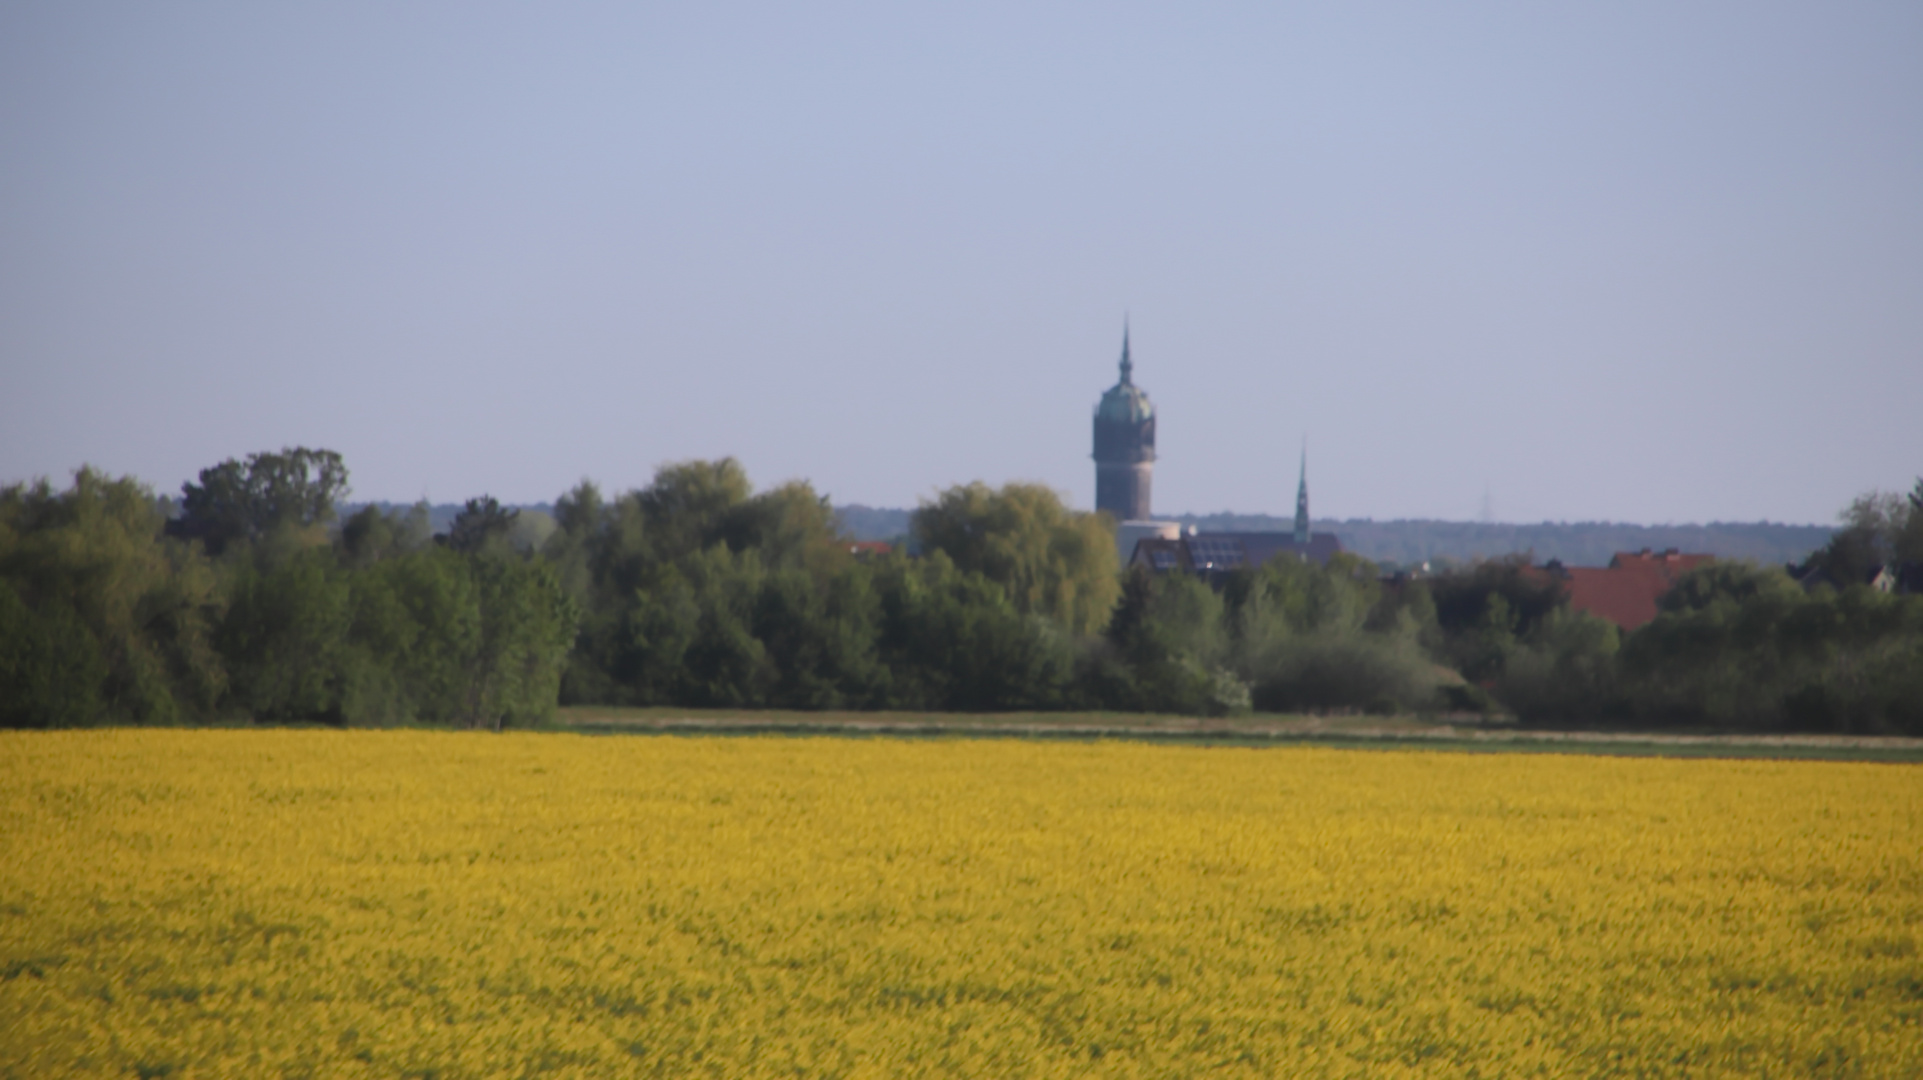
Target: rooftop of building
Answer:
pixel 1125 402
pixel 1215 551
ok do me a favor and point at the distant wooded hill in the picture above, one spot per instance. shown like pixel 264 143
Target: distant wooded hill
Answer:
pixel 1407 542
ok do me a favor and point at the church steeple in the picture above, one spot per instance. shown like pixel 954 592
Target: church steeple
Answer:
pixel 1124 445
pixel 1302 500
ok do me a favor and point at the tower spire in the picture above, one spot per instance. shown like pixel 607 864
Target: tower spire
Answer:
pixel 1124 444
pixel 1302 499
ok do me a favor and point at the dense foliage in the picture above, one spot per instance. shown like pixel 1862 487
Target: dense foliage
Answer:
pixel 253 600
pixel 251 604
pixel 1744 646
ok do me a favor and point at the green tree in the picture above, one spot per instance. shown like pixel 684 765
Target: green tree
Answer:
pixel 527 625
pixel 790 526
pixel 1051 561
pixel 483 523
pixel 1909 538
pixel 1564 669
pixel 474 640
pixel 579 512
pixel 950 639
pixel 417 625
pixel 532 530
pixel 1848 659
pixel 695 590
pixel 689 504
pixel 51 668
pixel 579 551
pixel 1171 634
pixel 1880 528
pixel 821 638
pixel 725 663
pixel 98 591
pixel 1726 585
pixel 1309 637
pixel 285 637
pixel 1484 611
pixel 660 626
pixel 244 502
pixel 599 555
pixel 372 534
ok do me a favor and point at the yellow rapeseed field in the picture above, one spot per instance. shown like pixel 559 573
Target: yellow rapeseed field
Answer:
pixel 296 903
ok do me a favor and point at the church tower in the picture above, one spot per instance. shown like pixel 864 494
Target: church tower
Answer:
pixel 1124 446
pixel 1302 501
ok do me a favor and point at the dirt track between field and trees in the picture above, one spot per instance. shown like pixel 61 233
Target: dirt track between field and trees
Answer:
pixel 1407 731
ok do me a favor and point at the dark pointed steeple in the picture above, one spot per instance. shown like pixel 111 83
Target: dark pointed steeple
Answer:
pixel 1124 444
pixel 1302 499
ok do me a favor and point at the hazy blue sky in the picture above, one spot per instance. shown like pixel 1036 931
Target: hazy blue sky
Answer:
pixel 1634 261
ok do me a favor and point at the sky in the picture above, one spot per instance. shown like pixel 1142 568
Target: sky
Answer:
pixel 1638 262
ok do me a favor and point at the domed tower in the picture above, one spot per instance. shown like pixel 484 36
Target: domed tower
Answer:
pixel 1124 446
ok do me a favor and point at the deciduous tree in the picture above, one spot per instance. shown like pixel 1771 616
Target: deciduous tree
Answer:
pixel 236 502
pixel 1051 560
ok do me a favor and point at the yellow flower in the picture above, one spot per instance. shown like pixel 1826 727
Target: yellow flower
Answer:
pixel 265 903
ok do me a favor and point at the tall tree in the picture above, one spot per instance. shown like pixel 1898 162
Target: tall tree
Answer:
pixel 1879 528
pixel 285 636
pixel 688 505
pixel 1907 536
pixel 243 502
pixel 790 525
pixel 1051 560
pixel 482 523
pixel 373 534
pixel 100 597
pixel 526 628
pixel 950 639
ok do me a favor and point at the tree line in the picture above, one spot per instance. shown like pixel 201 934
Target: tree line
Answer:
pixel 250 598
pixel 253 601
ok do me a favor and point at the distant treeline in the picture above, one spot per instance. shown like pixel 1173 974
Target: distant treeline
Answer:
pixel 252 597
pixel 533 517
pixel 1411 542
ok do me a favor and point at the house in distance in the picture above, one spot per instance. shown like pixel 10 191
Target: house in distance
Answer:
pixel 1626 591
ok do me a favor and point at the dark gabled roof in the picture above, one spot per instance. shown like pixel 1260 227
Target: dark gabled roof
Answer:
pixel 1159 554
pixel 1886 577
pixel 1217 551
pixel 1263 546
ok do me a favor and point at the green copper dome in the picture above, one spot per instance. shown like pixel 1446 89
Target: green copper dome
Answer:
pixel 1125 402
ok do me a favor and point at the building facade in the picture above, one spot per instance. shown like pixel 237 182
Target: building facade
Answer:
pixel 1164 546
pixel 1215 553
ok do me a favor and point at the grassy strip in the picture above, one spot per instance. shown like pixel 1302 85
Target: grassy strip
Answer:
pixel 1362 732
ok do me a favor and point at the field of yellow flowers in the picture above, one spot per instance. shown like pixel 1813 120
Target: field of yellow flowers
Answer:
pixel 389 904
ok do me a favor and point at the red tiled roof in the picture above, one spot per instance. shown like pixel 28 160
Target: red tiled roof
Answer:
pixel 1626 591
pixel 869 547
pixel 1626 597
